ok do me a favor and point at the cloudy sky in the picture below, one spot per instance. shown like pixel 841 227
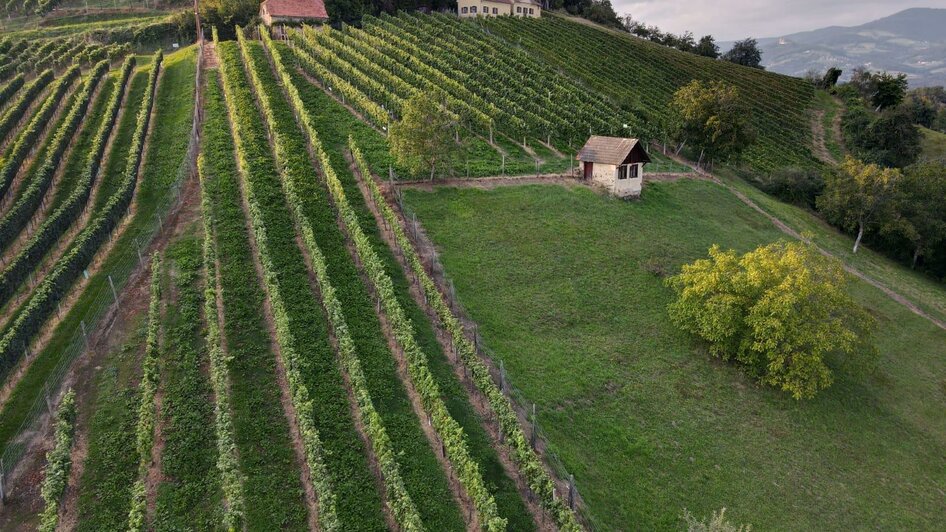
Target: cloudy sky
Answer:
pixel 737 19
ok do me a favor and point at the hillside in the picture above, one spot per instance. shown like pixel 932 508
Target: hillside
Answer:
pixel 644 75
pixel 911 41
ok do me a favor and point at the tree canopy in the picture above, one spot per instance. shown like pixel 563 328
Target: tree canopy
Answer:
pixel 423 140
pixel 779 311
pixel 859 196
pixel 712 116
pixel 745 53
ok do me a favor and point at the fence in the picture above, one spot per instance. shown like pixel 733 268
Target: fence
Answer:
pixel 105 303
pixel 528 411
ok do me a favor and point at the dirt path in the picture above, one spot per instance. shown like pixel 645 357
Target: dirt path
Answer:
pixel 542 520
pixel 817 138
pixel 785 228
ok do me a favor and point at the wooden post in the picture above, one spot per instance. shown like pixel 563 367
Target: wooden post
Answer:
pixel 504 164
pixel 85 333
pixel 571 491
pixel 535 435
pixel 3 493
pixel 502 377
pixel 112 284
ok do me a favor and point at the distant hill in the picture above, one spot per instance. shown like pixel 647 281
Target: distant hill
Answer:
pixel 912 41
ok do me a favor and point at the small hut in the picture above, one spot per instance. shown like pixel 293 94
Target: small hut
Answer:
pixel 615 162
pixel 279 13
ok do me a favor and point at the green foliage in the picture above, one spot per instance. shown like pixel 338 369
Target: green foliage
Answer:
pixel 707 47
pixel 424 137
pixel 918 208
pixel 859 197
pixel 745 53
pixel 888 139
pixel 601 12
pixel 715 118
pixel 890 90
pixel 226 14
pixel 800 186
pixel 58 462
pixel 779 311
pixel 716 523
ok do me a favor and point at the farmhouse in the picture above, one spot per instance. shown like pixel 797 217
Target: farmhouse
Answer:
pixel 292 12
pixel 615 162
pixel 494 8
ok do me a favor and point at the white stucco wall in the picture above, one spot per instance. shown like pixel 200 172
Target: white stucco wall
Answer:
pixel 606 174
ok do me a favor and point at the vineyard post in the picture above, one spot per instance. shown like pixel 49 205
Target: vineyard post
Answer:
pixel 504 164
pixel 502 377
pixel 85 334
pixel 536 168
pixel 138 248
pixel 535 434
pixel 2 490
pixel 112 285
pixel 571 491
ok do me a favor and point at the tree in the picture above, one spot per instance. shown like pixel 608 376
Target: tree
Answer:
pixel 424 137
pixel 707 47
pixel 745 53
pixel 888 139
pixel 602 12
pixel 830 78
pixel 889 90
pixel 858 196
pixel 919 207
pixel 225 14
pixel 778 311
pixel 712 116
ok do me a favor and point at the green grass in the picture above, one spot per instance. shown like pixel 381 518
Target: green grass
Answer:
pixel 928 294
pixel 112 462
pixel 422 474
pixel 334 124
pixel 190 495
pixel 168 145
pixel 933 144
pixel 267 461
pixel 359 503
pixel 562 284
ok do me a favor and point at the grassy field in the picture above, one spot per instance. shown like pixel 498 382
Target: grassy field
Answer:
pixel 567 288
pixel 933 144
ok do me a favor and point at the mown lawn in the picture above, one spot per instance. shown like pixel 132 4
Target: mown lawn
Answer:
pixel 566 287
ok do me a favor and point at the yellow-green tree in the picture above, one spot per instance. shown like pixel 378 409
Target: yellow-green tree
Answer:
pixel 713 116
pixel 423 140
pixel 858 196
pixel 779 311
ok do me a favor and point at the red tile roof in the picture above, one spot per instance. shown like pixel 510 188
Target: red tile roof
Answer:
pixel 296 8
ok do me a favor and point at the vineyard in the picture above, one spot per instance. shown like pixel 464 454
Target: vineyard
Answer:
pixel 223 306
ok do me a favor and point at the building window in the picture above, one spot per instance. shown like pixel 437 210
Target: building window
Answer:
pixel 518 9
pixel 464 10
pixel 622 171
pixel 634 170
pixel 626 171
pixel 473 9
pixel 530 11
pixel 495 10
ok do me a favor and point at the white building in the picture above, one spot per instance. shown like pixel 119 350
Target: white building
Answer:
pixel 616 163
pixel 494 8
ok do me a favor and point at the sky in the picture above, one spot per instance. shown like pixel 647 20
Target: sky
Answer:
pixel 737 19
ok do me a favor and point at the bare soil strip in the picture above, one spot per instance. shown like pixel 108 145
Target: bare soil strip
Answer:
pixel 542 520
pixel 818 140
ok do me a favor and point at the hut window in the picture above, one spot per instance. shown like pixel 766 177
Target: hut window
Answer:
pixel 518 9
pixel 530 11
pixel 633 170
pixel 495 11
pixel 464 10
pixel 473 9
pixel 622 171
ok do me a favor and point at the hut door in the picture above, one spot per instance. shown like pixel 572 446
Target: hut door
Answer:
pixel 589 167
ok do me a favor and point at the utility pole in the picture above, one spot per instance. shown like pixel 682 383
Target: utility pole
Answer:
pixel 200 34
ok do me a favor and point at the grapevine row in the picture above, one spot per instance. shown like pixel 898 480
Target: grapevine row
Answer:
pixel 53 288
pixel 25 141
pixel 526 459
pixel 20 213
pixel 237 98
pixel 54 226
pixel 449 430
pixel 58 462
pixel 405 511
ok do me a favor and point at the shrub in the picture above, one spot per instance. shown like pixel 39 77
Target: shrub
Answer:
pixel 716 523
pixel 779 311
pixel 794 185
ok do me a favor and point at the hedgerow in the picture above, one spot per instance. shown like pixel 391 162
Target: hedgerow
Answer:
pixel 58 462
pixel 526 459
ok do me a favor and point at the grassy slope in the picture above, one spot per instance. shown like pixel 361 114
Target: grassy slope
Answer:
pixel 189 494
pixel 933 144
pixel 261 431
pixel 167 147
pixel 334 124
pixel 560 282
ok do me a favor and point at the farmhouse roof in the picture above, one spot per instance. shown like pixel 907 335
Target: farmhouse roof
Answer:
pixel 296 8
pixel 608 150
